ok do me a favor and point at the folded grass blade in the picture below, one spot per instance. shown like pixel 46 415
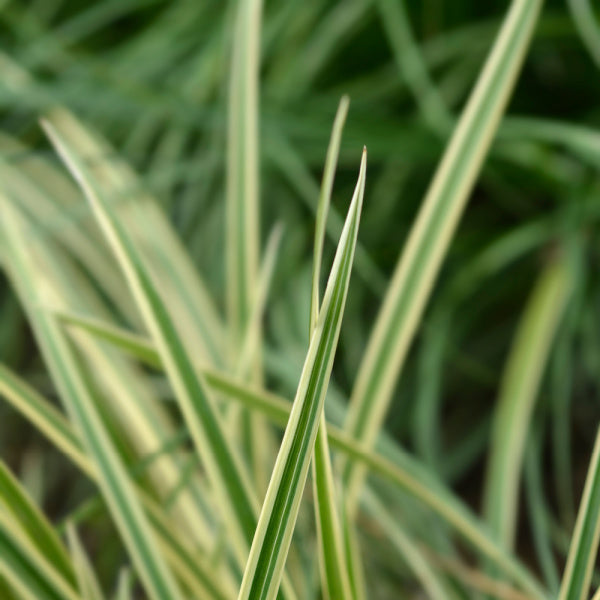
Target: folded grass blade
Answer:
pixel 198 575
pixel 278 515
pixel 16 503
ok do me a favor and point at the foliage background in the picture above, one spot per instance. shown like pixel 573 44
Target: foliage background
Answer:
pixel 152 77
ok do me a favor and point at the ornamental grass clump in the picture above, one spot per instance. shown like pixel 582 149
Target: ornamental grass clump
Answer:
pixel 214 376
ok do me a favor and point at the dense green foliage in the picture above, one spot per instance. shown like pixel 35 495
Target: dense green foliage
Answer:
pixel 176 251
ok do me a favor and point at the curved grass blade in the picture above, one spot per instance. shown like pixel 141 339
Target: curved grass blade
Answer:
pixel 432 232
pixel 113 478
pixel 405 472
pixel 586 22
pixel 198 576
pixel 34 525
pixel 88 584
pixel 223 465
pixel 334 570
pixel 199 325
pixel 518 392
pixel 278 515
pixel 584 543
pixel 21 560
pixel 411 65
pixel 55 207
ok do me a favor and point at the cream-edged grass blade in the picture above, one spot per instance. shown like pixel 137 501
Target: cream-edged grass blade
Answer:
pixel 432 232
pixel 26 270
pixel 230 483
pixel 405 472
pixel 280 508
pixel 584 543
pixel 194 570
pixel 88 583
pixel 335 581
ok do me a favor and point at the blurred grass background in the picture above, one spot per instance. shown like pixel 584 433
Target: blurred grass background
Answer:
pixel 152 77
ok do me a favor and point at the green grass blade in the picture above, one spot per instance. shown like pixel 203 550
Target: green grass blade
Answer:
pixel 586 22
pixel 409 550
pixel 113 479
pixel 278 515
pixel 411 65
pixel 26 570
pixel 334 570
pixel 223 465
pixel 136 345
pixel 405 473
pixel 251 338
pixel 34 525
pixel 198 576
pixel 518 393
pixel 242 207
pixel 198 323
pixel 433 230
pixel 88 584
pixel 584 543
pixel 124 586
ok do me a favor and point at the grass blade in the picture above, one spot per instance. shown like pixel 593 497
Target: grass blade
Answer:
pixel 584 543
pixel 34 525
pixel 433 230
pixel 74 389
pixel 518 393
pixel 88 584
pixel 335 581
pixel 408 549
pixel 587 24
pixel 242 208
pixel 223 466
pixel 405 472
pixel 198 576
pixel 278 516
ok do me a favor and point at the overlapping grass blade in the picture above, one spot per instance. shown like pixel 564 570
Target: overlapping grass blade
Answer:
pixel 56 209
pixel 113 478
pixel 334 569
pixel 198 576
pixel 520 383
pixel 16 503
pixel 409 59
pixel 584 543
pixel 278 515
pixel 438 218
pixel 88 584
pixel 26 570
pixel 195 316
pixel 224 468
pixel 404 471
